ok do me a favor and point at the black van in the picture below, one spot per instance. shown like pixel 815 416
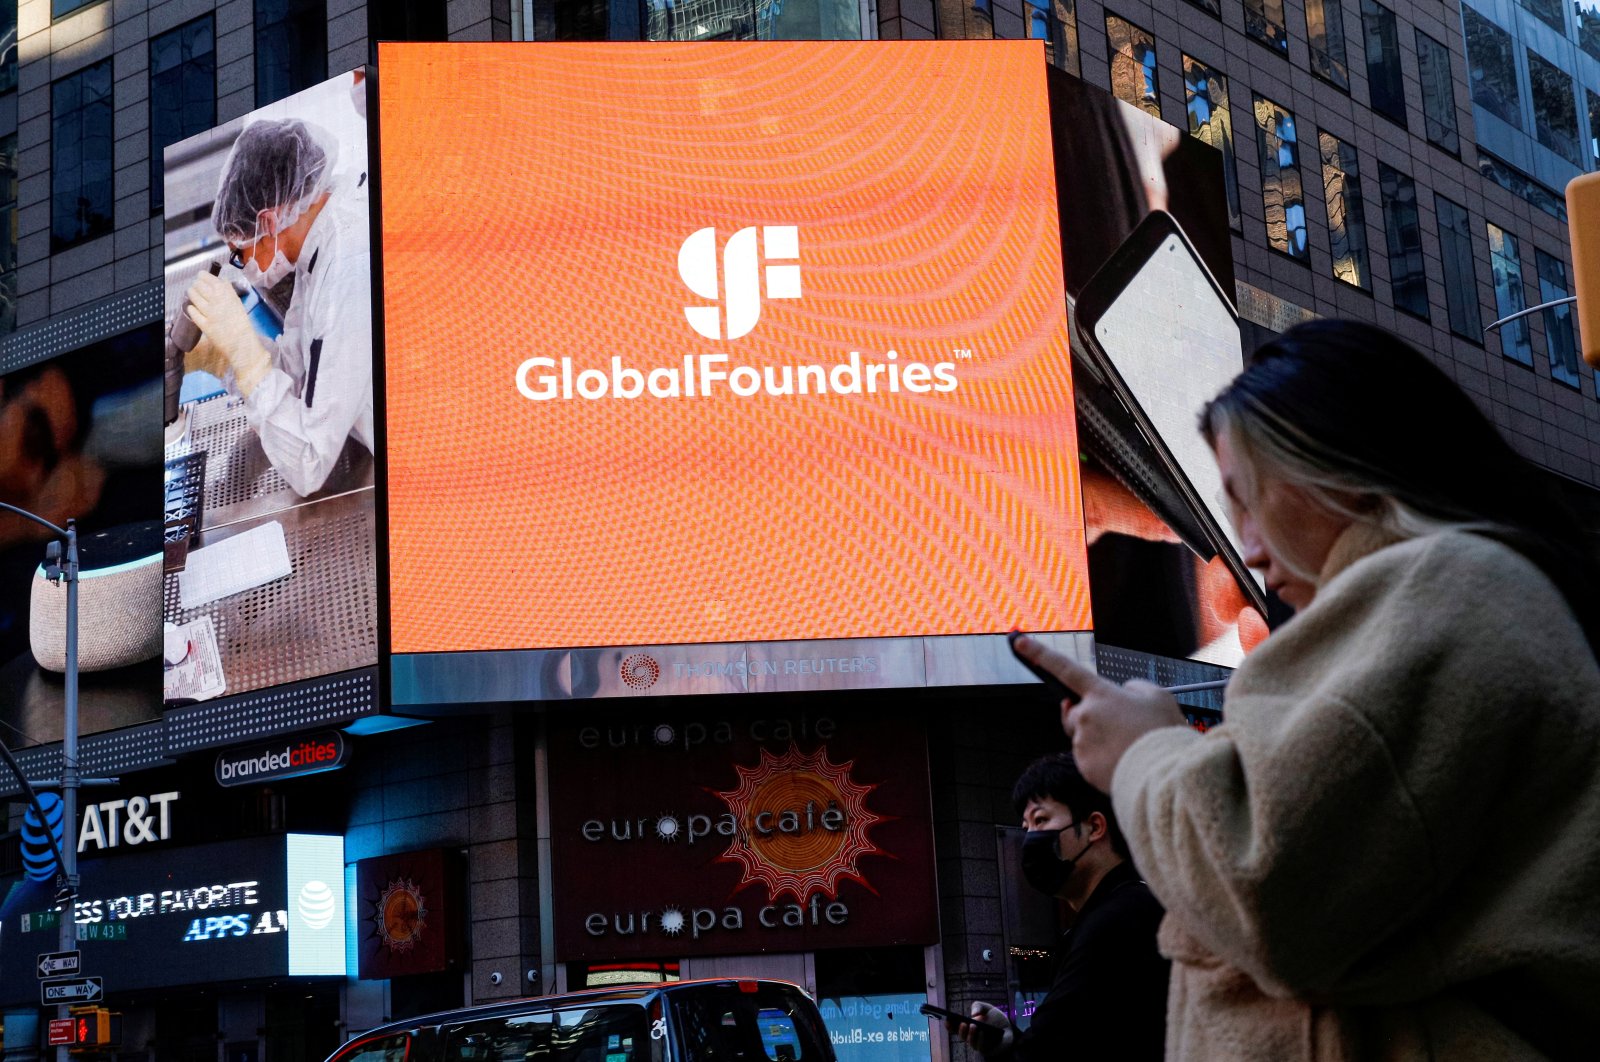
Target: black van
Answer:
pixel 683 1021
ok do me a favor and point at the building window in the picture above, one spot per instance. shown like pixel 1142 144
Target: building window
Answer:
pixel 1559 341
pixel 1133 65
pixel 291 47
pixel 415 20
pixel 1555 110
pixel 1281 192
pixel 1056 23
pixel 1384 80
pixel 1403 232
pixel 58 8
pixel 1208 6
pixel 1347 227
pixel 1263 20
pixel 1206 97
pixel 8 233
pixel 1460 277
pixel 1325 30
pixel 183 92
pixel 1548 12
pixel 1521 185
pixel 1438 93
pixel 80 156
pixel 8 45
pixel 1505 260
pixel 1587 12
pixel 1594 128
pixel 1491 67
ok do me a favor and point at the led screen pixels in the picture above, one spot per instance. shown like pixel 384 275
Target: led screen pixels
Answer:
pixel 230 911
pixel 871 224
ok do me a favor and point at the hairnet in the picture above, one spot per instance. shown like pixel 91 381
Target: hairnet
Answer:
pixel 281 165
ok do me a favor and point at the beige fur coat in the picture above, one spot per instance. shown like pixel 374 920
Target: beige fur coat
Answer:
pixel 1403 801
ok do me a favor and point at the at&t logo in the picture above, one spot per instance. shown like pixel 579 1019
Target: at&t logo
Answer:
pixel 739 295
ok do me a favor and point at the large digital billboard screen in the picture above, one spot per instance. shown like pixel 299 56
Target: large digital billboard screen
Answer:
pixel 269 492
pixel 694 344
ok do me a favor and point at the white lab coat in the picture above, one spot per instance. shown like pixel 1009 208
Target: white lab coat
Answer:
pixel 319 390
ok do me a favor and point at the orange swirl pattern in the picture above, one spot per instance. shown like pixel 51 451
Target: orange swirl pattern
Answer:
pixel 534 202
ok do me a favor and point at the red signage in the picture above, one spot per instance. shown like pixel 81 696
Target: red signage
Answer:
pixel 736 834
pixel 65 1030
pixel 410 910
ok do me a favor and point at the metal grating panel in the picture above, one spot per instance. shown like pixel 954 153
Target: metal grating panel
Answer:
pixel 233 720
pixel 1268 310
pixel 239 470
pixel 130 749
pixel 1120 665
pixel 78 328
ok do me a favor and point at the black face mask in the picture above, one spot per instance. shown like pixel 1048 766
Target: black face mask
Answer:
pixel 1042 864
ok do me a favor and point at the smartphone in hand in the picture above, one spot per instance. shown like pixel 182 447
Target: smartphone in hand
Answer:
pixel 940 1014
pixel 1057 688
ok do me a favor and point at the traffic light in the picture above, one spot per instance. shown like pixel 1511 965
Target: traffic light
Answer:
pixel 1583 221
pixel 95 1027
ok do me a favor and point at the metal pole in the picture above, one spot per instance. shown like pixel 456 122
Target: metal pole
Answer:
pixel 69 767
pixel 1530 309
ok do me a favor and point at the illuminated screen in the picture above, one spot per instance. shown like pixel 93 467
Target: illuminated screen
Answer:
pixel 697 343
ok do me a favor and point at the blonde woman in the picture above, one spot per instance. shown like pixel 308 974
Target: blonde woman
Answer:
pixel 1390 849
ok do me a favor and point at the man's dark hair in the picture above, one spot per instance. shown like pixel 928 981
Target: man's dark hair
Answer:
pixel 1056 777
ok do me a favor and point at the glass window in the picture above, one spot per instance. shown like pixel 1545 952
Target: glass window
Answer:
pixel 1559 341
pixel 8 45
pixel 1594 128
pixel 1438 93
pixel 1056 23
pixel 1325 29
pixel 8 233
pixel 1555 109
pixel 80 156
pixel 67 7
pixel 382 1049
pixel 695 20
pixel 183 92
pixel 1403 232
pixel 1133 65
pixel 1460 277
pixel 1209 7
pixel 1548 12
pixel 722 1023
pixel 1347 227
pixel 1263 20
pixel 1587 12
pixel 291 47
pixel 414 20
pixel 1520 184
pixel 1505 260
pixel 1206 98
pixel 1491 67
pixel 1384 80
pixel 614 1033
pixel 1281 192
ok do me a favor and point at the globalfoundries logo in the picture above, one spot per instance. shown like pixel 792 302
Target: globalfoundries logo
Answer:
pixel 738 293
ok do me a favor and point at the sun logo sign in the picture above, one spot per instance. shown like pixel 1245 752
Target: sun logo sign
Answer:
pixel 739 295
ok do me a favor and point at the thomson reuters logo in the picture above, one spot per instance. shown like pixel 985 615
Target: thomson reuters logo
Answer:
pixel 640 671
pixel 739 294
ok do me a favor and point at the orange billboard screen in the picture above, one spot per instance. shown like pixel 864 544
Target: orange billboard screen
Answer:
pixel 716 342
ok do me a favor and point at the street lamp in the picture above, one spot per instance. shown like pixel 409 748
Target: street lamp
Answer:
pixel 59 567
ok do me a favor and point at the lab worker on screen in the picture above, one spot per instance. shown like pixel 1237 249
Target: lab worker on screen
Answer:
pixel 283 207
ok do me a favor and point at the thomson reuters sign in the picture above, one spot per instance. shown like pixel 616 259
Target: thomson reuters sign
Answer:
pixel 751 341
pixel 288 758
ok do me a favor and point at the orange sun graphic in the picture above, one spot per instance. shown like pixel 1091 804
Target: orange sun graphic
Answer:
pixel 803 824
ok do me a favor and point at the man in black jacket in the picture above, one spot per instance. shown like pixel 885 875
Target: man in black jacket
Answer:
pixel 1109 997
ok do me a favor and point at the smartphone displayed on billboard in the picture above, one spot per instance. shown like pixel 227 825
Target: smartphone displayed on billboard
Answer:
pixel 1165 337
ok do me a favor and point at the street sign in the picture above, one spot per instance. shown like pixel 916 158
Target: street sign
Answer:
pixel 56 963
pixel 63 1031
pixel 71 990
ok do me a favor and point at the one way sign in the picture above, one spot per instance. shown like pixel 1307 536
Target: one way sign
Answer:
pixel 56 963
pixel 71 990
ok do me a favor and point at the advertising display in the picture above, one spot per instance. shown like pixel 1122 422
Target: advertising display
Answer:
pixel 695 353
pixel 80 438
pixel 230 911
pixel 739 834
pixel 270 562
pixel 410 913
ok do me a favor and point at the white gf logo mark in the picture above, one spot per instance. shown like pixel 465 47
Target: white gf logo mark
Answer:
pixel 741 272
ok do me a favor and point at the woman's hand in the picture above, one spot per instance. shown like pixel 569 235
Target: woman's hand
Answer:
pixel 1109 718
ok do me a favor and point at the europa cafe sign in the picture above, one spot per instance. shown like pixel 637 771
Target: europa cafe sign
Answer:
pixel 741 834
